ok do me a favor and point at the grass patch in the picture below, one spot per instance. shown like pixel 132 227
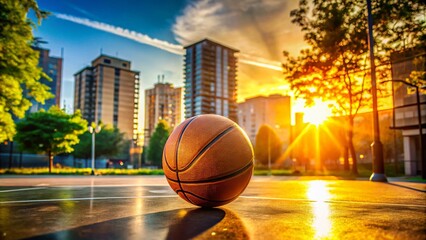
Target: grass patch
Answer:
pixel 417 179
pixel 274 172
pixel 366 169
pixel 45 171
pixel 363 169
pixel 142 171
pixel 80 171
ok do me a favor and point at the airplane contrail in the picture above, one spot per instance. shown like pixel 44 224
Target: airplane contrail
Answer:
pixel 138 37
pixel 263 65
pixel 260 62
pixel 169 47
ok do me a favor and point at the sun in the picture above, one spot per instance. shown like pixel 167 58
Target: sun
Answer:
pixel 317 113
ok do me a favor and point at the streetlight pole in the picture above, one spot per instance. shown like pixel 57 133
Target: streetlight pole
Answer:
pixel 377 147
pixel 419 120
pixel 93 132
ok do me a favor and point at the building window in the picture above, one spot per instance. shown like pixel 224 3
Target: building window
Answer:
pixel 115 120
pixel 218 106
pixel 107 61
pixel 225 108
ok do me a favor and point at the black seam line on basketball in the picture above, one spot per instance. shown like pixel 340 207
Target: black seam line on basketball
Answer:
pixel 218 178
pixel 208 200
pixel 165 159
pixel 192 161
pixel 228 200
pixel 177 152
pixel 164 151
pixel 206 147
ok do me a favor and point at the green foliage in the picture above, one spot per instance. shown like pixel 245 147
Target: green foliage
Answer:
pixel 19 71
pixel 124 149
pixel 52 132
pixel 157 142
pixel 418 78
pixel 335 66
pixel 267 145
pixel 108 143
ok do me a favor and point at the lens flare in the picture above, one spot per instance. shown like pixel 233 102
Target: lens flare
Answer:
pixel 318 113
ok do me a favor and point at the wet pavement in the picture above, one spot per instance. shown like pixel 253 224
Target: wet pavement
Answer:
pixel 144 207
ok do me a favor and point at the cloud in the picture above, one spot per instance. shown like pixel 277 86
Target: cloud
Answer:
pixel 145 39
pixel 257 27
pixel 260 29
pixel 139 37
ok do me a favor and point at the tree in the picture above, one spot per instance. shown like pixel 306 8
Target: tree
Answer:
pixel 157 142
pixel 335 66
pixel 108 143
pixel 19 72
pixel 268 145
pixel 52 132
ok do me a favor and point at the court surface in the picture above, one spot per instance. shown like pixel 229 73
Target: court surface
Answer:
pixel 144 207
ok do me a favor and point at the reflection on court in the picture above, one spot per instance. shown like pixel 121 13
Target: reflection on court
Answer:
pixel 318 193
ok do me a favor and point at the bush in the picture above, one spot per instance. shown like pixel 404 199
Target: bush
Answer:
pixel 80 171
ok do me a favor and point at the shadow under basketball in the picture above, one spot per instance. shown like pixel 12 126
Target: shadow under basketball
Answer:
pixel 174 224
pixel 195 222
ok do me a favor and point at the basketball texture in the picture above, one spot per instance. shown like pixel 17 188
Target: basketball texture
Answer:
pixel 208 160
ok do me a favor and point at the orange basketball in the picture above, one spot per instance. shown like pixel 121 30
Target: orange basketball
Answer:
pixel 208 160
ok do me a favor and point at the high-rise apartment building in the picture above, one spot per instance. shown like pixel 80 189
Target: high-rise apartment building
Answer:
pixel 52 66
pixel 163 102
pixel 210 79
pixel 108 91
pixel 408 107
pixel 273 110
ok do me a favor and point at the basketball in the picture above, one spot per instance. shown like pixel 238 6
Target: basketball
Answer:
pixel 208 160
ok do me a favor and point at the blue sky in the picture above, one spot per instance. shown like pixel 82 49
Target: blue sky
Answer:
pixel 260 29
pixel 82 44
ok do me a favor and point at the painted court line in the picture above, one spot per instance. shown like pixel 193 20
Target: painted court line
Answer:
pixel 335 201
pixel 85 199
pixel 160 191
pixel 22 189
pixel 111 185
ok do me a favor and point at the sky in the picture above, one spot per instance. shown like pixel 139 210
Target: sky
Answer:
pixel 151 34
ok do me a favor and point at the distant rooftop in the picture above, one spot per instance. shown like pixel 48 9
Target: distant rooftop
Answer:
pixel 211 41
pixel 266 97
pixel 113 61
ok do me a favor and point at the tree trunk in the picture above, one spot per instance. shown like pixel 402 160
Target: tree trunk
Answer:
pixel 10 154
pixel 351 145
pixel 354 159
pixel 346 158
pixel 50 161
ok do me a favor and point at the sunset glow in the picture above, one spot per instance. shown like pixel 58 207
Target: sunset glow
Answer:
pixel 317 113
